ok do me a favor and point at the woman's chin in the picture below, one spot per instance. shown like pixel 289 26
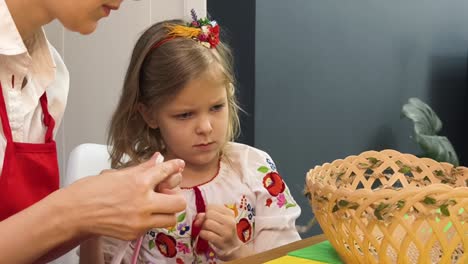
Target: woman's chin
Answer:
pixel 88 29
pixel 84 28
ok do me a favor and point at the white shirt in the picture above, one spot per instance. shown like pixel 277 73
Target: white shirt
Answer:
pixel 40 65
pixel 244 184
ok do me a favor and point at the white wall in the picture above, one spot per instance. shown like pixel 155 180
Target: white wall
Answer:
pixel 97 65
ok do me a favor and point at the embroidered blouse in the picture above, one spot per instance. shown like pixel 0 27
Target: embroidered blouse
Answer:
pixel 248 183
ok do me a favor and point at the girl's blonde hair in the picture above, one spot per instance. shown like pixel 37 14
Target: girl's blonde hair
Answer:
pixel 153 77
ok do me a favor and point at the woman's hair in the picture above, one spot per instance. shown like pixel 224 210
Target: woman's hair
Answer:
pixel 156 75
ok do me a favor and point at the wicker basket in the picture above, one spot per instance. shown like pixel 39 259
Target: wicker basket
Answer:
pixel 389 207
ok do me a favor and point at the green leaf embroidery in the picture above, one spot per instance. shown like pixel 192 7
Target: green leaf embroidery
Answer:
pixel 263 169
pixel 171 229
pixel 151 244
pixel 288 205
pixel 181 217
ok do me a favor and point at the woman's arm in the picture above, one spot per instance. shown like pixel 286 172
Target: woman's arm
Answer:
pixel 31 232
pixel 98 205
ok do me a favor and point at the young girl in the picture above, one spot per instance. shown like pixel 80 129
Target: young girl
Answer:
pixel 178 98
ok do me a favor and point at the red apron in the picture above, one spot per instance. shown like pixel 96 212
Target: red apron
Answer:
pixel 30 171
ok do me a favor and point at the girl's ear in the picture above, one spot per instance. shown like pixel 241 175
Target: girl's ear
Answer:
pixel 149 118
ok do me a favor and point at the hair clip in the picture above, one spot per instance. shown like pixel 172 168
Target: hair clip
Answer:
pixel 203 30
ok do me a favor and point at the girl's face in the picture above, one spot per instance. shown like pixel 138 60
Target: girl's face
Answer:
pixel 194 124
pixel 81 15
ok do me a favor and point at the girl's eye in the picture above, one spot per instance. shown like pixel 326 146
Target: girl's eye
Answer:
pixel 184 116
pixel 218 107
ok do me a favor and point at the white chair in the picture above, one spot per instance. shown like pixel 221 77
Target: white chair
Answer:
pixel 84 160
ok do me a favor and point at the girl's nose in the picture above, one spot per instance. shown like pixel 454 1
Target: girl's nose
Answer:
pixel 204 126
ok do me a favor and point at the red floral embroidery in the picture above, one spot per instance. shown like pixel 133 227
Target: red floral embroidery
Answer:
pixel 268 202
pixel 166 245
pixel 180 261
pixel 243 202
pixel 273 183
pixel 244 230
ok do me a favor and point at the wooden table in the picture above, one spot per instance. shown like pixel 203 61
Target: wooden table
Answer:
pixel 280 251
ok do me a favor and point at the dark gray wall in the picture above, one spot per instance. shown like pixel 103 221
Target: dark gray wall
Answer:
pixel 332 76
pixel 237 22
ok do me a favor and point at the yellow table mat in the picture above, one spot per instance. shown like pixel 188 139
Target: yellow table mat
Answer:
pixel 293 260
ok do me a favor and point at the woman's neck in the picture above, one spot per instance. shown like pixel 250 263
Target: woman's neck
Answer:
pixel 196 175
pixel 29 16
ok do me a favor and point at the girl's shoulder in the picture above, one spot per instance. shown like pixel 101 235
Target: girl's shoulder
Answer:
pixel 248 161
pixel 235 151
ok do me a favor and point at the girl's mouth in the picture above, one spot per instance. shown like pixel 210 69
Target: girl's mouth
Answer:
pixel 205 146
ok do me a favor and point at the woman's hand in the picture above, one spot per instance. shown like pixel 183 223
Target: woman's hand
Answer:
pixel 123 203
pixel 218 227
pixel 118 203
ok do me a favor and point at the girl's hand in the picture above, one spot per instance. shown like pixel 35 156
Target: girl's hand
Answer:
pixel 218 227
pixel 123 203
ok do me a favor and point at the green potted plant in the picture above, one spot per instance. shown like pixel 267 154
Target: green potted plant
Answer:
pixel 426 127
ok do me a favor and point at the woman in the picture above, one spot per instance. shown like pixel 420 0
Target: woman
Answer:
pixel 38 222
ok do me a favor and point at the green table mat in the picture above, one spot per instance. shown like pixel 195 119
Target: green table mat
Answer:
pixel 322 251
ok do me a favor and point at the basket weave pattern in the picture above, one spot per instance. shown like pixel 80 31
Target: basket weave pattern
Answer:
pixel 389 207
